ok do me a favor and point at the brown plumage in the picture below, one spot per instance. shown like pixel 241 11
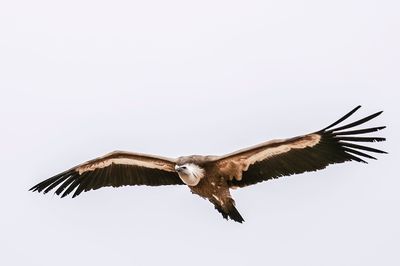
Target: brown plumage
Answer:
pixel 212 177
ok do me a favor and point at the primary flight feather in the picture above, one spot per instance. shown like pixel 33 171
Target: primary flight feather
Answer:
pixel 212 177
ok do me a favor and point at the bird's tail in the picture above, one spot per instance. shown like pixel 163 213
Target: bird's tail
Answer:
pixel 228 210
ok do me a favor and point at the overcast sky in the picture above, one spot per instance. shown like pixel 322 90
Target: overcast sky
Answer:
pixel 82 78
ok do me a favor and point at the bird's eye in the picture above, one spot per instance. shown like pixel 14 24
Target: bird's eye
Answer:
pixel 183 167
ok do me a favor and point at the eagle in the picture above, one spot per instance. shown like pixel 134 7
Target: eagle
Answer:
pixel 213 177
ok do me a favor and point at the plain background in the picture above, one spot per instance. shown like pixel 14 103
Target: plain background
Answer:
pixel 82 78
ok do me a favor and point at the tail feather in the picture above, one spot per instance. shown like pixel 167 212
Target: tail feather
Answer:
pixel 235 215
pixel 229 211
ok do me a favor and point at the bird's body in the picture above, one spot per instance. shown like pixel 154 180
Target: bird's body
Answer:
pixel 211 183
pixel 212 177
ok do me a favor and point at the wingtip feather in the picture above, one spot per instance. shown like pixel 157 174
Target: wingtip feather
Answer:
pixel 342 118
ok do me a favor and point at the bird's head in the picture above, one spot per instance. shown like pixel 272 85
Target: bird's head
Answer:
pixel 190 173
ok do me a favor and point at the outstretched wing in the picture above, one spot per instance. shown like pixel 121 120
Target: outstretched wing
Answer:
pixel 310 152
pixel 114 169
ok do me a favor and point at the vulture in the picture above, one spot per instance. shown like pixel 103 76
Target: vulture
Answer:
pixel 213 177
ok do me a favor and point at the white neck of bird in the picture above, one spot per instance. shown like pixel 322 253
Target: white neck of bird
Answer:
pixel 192 175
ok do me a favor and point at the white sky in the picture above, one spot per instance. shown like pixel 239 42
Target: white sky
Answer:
pixel 81 78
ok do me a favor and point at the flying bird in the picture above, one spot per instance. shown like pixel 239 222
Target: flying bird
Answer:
pixel 212 177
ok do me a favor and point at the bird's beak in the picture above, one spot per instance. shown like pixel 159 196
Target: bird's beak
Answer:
pixel 177 168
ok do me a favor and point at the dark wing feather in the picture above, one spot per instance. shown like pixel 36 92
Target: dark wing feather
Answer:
pixel 115 169
pixel 301 154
